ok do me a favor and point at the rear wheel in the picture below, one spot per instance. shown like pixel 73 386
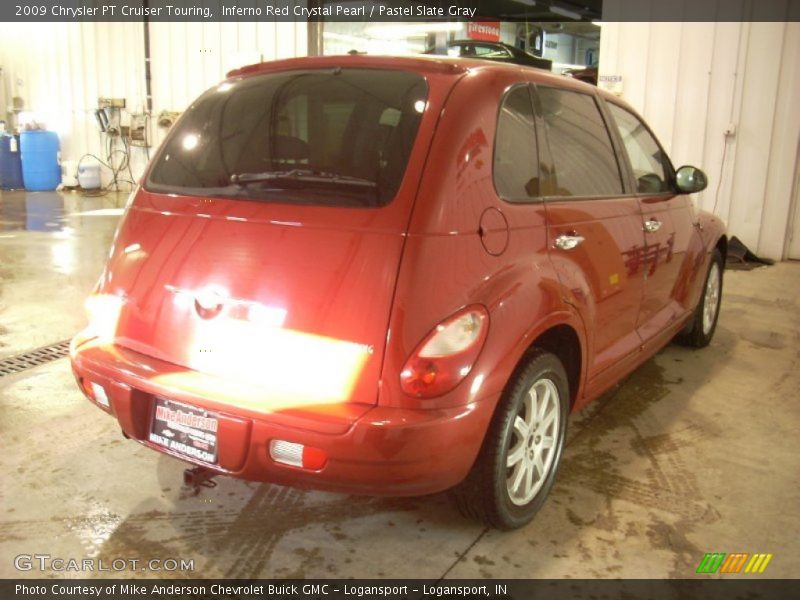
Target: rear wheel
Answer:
pixel 704 322
pixel 517 464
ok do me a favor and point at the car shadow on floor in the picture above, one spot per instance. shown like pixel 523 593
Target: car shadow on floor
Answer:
pixel 245 529
pixel 242 529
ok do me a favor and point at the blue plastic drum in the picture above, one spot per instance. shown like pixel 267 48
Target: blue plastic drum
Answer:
pixel 40 169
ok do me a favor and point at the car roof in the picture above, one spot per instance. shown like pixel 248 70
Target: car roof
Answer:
pixel 422 63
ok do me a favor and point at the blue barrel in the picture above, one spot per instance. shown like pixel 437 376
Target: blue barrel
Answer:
pixel 40 169
pixel 10 163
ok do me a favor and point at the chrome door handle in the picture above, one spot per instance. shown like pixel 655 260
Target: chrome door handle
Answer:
pixel 652 226
pixel 569 242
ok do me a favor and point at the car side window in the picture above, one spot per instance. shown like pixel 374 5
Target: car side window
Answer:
pixel 516 163
pixel 650 165
pixel 584 163
pixel 486 51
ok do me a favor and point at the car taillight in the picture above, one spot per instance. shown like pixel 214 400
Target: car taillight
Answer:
pixel 297 455
pixel 446 356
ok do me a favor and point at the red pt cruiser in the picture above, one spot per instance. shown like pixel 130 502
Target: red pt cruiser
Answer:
pixel 395 276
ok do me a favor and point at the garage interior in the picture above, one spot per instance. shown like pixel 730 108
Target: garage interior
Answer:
pixel 695 452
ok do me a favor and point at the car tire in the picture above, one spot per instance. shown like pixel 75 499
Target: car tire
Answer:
pixel 500 489
pixel 703 324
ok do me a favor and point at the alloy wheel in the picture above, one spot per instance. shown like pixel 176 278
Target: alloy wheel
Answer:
pixel 532 446
pixel 711 300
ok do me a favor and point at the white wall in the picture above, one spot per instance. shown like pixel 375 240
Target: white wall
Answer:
pixel 188 58
pixel 691 81
pixel 60 69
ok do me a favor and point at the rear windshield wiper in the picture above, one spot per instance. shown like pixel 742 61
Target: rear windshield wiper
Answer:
pixel 300 175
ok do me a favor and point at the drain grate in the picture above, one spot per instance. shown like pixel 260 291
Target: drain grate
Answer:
pixel 34 358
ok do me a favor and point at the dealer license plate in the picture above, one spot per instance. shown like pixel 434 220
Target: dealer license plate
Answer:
pixel 187 430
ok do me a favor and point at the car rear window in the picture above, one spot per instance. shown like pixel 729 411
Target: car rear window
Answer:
pixel 339 137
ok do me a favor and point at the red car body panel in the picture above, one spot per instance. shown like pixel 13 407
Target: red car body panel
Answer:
pixel 346 295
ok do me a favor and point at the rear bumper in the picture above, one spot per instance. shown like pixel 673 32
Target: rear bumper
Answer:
pixel 371 449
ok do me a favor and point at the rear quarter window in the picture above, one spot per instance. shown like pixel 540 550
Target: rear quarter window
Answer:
pixel 516 163
pixel 338 137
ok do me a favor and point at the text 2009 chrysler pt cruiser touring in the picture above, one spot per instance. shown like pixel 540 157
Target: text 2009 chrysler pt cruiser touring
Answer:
pixel 395 276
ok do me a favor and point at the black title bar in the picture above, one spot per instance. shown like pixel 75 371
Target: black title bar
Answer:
pixel 397 10
pixel 368 589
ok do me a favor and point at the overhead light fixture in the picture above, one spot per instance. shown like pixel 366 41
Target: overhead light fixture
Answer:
pixel 410 29
pixel 371 44
pixel 526 2
pixel 565 13
pixel 343 37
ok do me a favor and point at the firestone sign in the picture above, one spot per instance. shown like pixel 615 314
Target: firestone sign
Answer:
pixel 486 31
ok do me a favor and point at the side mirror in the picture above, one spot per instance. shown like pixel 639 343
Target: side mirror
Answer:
pixel 690 180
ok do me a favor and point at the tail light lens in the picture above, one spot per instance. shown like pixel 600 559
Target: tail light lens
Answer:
pixel 297 455
pixel 446 356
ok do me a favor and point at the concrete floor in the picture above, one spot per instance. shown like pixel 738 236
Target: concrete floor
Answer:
pixel 696 452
